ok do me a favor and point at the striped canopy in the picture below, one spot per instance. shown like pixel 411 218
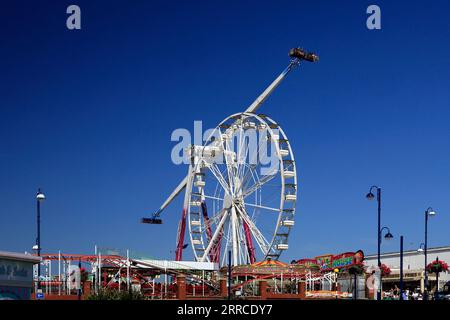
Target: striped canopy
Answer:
pixel 269 263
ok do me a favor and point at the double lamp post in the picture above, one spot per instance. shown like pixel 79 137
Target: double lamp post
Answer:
pixel 388 235
pixel 428 213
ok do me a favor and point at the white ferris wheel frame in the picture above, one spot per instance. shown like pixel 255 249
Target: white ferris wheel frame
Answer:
pixel 235 215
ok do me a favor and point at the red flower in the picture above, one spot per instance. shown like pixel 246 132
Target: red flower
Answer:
pixel 437 266
pixel 385 270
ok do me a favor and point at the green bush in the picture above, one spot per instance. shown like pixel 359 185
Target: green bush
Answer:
pixel 114 294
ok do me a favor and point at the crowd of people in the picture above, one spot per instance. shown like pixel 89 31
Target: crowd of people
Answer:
pixel 394 294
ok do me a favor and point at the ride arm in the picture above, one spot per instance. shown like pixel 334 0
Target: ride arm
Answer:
pixel 155 217
pixel 296 55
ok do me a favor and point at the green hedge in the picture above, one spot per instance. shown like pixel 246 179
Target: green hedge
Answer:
pixel 114 294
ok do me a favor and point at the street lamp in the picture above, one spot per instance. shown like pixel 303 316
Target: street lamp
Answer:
pixel 39 197
pixel 388 236
pixel 428 213
pixel 421 247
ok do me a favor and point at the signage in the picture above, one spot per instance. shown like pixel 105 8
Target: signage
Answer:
pixel 40 296
pixel 307 262
pixel 330 262
pixel 11 270
pixel 325 262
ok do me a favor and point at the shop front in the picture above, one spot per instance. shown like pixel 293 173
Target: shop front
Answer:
pixel 16 275
pixel 341 275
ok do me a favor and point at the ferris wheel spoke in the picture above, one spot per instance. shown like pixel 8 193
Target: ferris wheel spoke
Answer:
pixel 212 220
pixel 243 175
pixel 247 178
pixel 262 207
pixel 211 243
pixel 230 166
pixel 239 150
pixel 259 237
pixel 216 218
pixel 242 164
pixel 218 175
pixel 227 244
pixel 242 243
pixel 213 198
pixel 220 178
pixel 258 185
pixel 261 143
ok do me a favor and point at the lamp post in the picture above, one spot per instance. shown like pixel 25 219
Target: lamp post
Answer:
pixel 336 271
pixel 428 213
pixel 229 274
pixel 401 267
pixel 79 289
pixel 388 236
pixel 437 278
pixel 39 197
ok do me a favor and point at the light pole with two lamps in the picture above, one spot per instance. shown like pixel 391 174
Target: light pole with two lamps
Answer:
pixel 388 236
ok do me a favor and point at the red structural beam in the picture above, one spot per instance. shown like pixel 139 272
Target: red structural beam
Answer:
pixel 209 234
pixel 79 257
pixel 250 247
pixel 180 240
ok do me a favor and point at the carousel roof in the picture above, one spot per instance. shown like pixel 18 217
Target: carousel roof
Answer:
pixel 269 263
pixel 268 267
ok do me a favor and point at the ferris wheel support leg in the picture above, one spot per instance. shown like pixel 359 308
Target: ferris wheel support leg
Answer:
pixel 217 234
pixel 234 226
pixel 180 241
pixel 217 247
pixel 249 241
pixel 208 227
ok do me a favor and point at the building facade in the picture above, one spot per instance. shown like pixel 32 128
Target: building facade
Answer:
pixel 413 268
pixel 16 275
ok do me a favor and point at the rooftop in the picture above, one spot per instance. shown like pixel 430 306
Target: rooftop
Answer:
pixel 19 256
pixel 430 250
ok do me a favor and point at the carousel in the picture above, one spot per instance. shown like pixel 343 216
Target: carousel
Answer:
pixel 281 278
pixel 323 276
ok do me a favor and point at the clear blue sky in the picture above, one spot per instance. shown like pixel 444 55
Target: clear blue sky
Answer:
pixel 87 115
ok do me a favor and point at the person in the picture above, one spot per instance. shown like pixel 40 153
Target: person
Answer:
pixel 404 295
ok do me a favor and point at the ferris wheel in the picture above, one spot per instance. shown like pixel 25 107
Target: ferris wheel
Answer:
pixel 241 188
pixel 242 191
